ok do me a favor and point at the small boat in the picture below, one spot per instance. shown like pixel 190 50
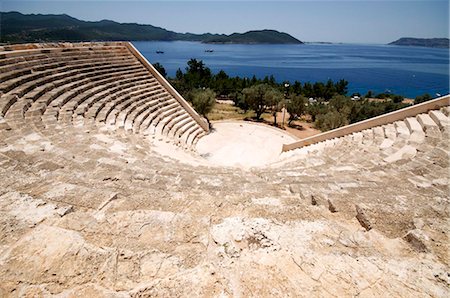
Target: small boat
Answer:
pixel 159 52
pixel 209 51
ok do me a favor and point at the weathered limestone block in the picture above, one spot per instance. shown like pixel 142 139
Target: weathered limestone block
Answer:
pixel 314 200
pixel 405 152
pixel 416 239
pixel 429 126
pixel 331 206
pixel 362 217
pixel 402 129
pixel 446 111
pixel 440 118
pixel 417 133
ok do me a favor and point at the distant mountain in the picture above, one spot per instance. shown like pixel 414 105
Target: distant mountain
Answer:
pixel 251 37
pixel 18 28
pixel 422 42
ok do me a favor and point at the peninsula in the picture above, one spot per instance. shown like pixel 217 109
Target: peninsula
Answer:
pixel 422 42
pixel 18 28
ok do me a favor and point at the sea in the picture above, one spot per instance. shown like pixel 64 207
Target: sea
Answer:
pixel 408 71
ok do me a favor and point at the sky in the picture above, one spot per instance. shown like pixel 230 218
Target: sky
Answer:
pixel 349 21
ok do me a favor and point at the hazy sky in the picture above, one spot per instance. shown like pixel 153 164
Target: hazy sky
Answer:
pixel 358 21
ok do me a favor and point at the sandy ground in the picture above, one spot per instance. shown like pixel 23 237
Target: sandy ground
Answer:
pixel 307 128
pixel 242 144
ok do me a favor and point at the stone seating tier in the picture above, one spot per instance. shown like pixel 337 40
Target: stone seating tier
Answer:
pixel 88 208
pixel 103 82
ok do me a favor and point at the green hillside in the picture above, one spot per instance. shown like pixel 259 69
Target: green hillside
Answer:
pixel 20 28
pixel 263 36
pixel 422 42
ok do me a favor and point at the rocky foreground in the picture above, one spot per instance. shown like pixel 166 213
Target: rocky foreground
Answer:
pixel 88 208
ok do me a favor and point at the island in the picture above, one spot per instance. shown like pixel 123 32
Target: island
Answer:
pixel 422 42
pixel 254 37
pixel 18 28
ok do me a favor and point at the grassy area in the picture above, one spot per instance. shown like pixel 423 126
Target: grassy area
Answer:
pixel 222 111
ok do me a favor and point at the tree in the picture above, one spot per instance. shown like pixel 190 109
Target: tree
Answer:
pixel 315 109
pixel 297 88
pixel 397 98
pixel 274 99
pixel 221 83
pixel 308 90
pixel 179 74
pixel 341 87
pixel 369 94
pixel 197 75
pixel 330 90
pixel 318 90
pixel 203 101
pixel 340 104
pixel 422 98
pixel 240 102
pixel 296 106
pixel 331 120
pixel 160 69
pixel 260 97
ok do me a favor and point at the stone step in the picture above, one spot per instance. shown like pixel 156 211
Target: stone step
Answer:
pixel 446 111
pixel 63 94
pixel 169 126
pixel 38 61
pixel 30 67
pixel 107 85
pixel 102 107
pixel 28 87
pixel 429 126
pixel 114 107
pixel 151 95
pixel 165 114
pixel 402 129
pixel 134 120
pixel 142 125
pixel 159 112
pixel 415 129
pixel 85 103
pixel 162 126
pixel 59 72
pixel 193 136
pixel 179 127
pixel 440 119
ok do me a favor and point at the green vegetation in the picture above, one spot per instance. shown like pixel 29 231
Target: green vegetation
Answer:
pixel 258 95
pixel 160 69
pixel 224 111
pixel 341 110
pixel 197 75
pixel 296 107
pixel 422 98
pixel 262 97
pixel 20 28
pixel 326 103
pixel 422 42
pixel 203 101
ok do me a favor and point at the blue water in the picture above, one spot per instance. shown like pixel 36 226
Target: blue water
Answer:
pixel 409 71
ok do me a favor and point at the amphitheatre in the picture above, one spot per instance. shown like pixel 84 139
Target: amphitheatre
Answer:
pixel 111 185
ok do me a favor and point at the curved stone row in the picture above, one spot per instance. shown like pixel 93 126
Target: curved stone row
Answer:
pixel 398 172
pixel 102 83
pixel 89 209
pixel 96 210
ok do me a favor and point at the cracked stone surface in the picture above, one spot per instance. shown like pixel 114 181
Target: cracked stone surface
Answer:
pixel 90 211
pixel 158 227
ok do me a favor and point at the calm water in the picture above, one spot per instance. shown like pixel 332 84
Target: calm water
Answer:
pixel 409 71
